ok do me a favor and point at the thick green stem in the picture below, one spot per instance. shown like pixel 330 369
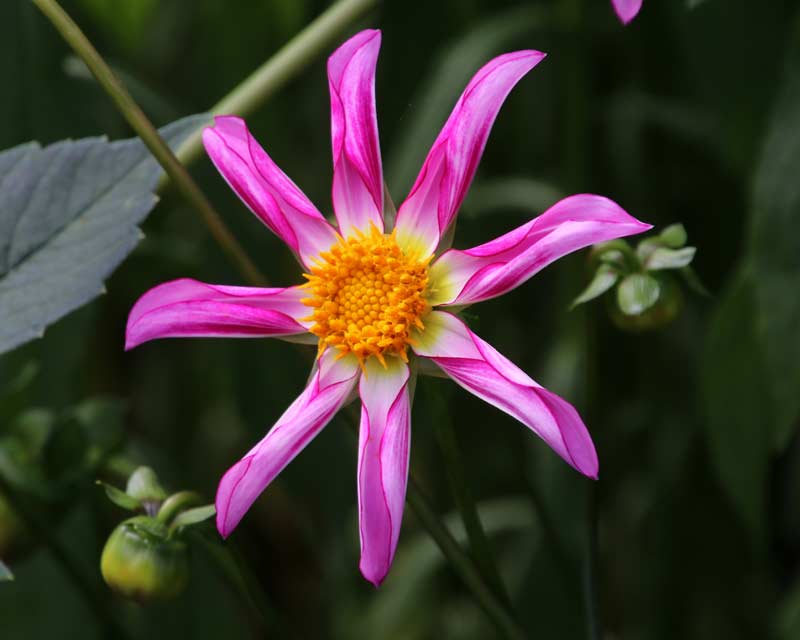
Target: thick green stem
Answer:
pixel 478 541
pixel 149 135
pixel 292 58
pixel 462 564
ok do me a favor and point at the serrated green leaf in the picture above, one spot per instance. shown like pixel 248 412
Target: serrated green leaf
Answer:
pixel 674 236
pixel 637 293
pixel 68 217
pixel 194 516
pixel 120 498
pixel 604 278
pixel 663 258
pixel 5 573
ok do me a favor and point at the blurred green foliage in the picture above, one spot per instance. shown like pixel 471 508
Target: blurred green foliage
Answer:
pixel 688 115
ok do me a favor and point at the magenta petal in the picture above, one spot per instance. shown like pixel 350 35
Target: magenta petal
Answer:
pixel 626 9
pixel 265 189
pixel 483 371
pixel 188 308
pixel 492 269
pixel 383 447
pixel 357 172
pixel 327 390
pixel 448 170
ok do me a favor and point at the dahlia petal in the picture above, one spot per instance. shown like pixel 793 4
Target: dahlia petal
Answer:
pixel 447 172
pixel 383 449
pixel 328 389
pixel 265 189
pixel 492 269
pixel 357 171
pixel 626 9
pixel 482 370
pixel 187 308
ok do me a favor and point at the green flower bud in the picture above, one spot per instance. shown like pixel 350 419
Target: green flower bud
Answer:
pixel 142 562
pixel 143 485
pixel 666 307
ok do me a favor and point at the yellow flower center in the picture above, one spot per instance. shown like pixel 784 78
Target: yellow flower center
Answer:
pixel 367 294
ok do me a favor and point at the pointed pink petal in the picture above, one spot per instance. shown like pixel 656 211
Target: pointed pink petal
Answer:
pixel 190 309
pixel 626 9
pixel 328 389
pixel 265 189
pixel 451 163
pixel 483 371
pixel 494 268
pixel 383 447
pixel 357 172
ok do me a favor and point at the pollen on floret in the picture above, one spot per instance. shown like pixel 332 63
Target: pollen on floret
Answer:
pixel 366 296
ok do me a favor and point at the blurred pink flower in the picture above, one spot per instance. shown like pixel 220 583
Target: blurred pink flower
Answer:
pixel 626 9
pixel 371 295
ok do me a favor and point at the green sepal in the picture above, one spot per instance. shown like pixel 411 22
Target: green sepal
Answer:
pixel 604 278
pixel 194 516
pixel 120 498
pixel 663 258
pixel 144 486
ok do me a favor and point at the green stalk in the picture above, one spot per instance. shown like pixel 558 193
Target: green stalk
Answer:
pixel 151 138
pixel 462 564
pixel 459 484
pixel 319 36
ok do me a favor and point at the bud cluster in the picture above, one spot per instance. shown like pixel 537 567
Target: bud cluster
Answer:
pixel 647 280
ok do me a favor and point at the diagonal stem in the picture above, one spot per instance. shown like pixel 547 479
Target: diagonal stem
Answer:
pixel 478 542
pixel 151 138
pixel 462 564
pixel 290 59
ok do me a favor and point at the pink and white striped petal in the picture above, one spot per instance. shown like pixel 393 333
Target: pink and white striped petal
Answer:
pixel 383 450
pixel 482 370
pixel 327 391
pixel 492 269
pixel 442 184
pixel 626 9
pixel 357 172
pixel 190 309
pixel 266 190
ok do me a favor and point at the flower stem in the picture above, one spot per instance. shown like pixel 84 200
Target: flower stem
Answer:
pixel 478 542
pixel 151 138
pixel 462 563
pixel 290 59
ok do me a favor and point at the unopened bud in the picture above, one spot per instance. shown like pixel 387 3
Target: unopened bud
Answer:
pixel 141 561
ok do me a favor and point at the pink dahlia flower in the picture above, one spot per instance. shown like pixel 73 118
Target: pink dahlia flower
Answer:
pixel 626 9
pixel 376 299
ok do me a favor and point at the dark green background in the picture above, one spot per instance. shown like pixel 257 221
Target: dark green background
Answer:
pixel 687 115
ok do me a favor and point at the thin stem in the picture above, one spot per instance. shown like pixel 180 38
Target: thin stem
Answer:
pixel 151 138
pixel 479 545
pixel 462 563
pixel 43 532
pixel 290 59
